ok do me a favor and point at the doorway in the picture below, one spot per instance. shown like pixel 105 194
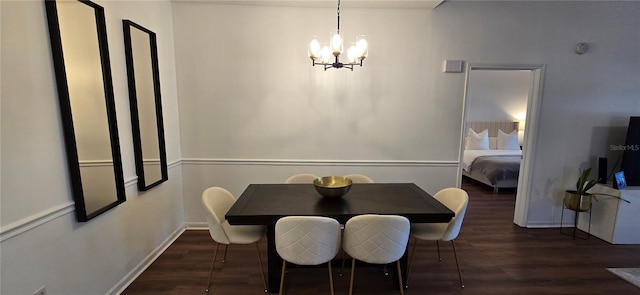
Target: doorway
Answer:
pixel 534 75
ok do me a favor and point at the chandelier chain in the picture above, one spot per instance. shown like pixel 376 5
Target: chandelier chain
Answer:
pixel 338 15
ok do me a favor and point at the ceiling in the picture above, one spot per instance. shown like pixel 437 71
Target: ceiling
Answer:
pixel 404 4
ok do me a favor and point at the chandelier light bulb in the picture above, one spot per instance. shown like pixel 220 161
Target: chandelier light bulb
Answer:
pixel 352 54
pixel 314 48
pixel 326 54
pixel 362 46
pixel 336 43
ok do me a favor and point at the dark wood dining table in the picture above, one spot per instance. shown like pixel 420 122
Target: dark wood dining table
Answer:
pixel 264 204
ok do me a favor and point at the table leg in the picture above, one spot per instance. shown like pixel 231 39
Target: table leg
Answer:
pixel 274 262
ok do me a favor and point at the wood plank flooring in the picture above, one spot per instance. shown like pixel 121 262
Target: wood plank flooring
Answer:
pixel 496 257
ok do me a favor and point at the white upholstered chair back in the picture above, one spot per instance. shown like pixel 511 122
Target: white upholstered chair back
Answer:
pixel 359 178
pixel 377 239
pixel 301 178
pixel 307 240
pixel 217 202
pixel 456 200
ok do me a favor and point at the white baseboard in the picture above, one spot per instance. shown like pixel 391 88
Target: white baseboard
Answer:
pixel 146 262
pixel 197 225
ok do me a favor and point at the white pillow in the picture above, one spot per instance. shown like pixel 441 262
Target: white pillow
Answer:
pixel 508 141
pixel 477 141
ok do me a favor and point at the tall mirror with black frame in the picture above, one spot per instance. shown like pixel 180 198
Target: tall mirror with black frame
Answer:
pixel 141 53
pixel 83 76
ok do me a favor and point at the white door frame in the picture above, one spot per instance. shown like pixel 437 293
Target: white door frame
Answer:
pixel 530 134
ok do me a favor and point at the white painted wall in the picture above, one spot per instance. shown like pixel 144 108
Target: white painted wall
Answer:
pixel 41 242
pixel 497 95
pixel 247 90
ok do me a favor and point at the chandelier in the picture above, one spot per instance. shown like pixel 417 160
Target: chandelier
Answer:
pixel 328 55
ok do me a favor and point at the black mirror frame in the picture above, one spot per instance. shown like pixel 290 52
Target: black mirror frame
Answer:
pixel 66 112
pixel 133 103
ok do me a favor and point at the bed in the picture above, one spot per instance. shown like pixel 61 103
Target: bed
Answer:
pixel 492 154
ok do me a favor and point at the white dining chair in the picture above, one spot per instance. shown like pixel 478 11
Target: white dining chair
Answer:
pixel 307 240
pixel 359 178
pixel 376 239
pixel 456 200
pixel 301 178
pixel 217 201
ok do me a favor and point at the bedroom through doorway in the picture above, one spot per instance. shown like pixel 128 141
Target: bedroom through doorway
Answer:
pixel 500 109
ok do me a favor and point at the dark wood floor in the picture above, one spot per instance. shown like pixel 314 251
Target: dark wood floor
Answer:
pixel 496 256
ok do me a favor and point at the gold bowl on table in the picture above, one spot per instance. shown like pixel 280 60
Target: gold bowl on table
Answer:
pixel 332 186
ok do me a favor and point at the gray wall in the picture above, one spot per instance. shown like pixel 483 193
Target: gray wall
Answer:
pixel 498 95
pixel 249 96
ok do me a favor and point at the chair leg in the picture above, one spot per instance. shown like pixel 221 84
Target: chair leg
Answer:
pixel 264 281
pixel 330 277
pixel 224 259
pixel 342 267
pixel 353 269
pixel 284 265
pixel 400 278
pixel 438 246
pixel 413 253
pixel 341 250
pixel 213 262
pixel 457 264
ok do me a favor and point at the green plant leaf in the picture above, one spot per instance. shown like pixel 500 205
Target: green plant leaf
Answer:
pixel 581 181
pixel 589 185
pixel 612 196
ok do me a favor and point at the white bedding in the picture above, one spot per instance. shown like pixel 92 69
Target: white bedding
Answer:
pixel 469 156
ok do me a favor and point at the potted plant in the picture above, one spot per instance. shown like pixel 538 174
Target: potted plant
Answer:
pixel 580 199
